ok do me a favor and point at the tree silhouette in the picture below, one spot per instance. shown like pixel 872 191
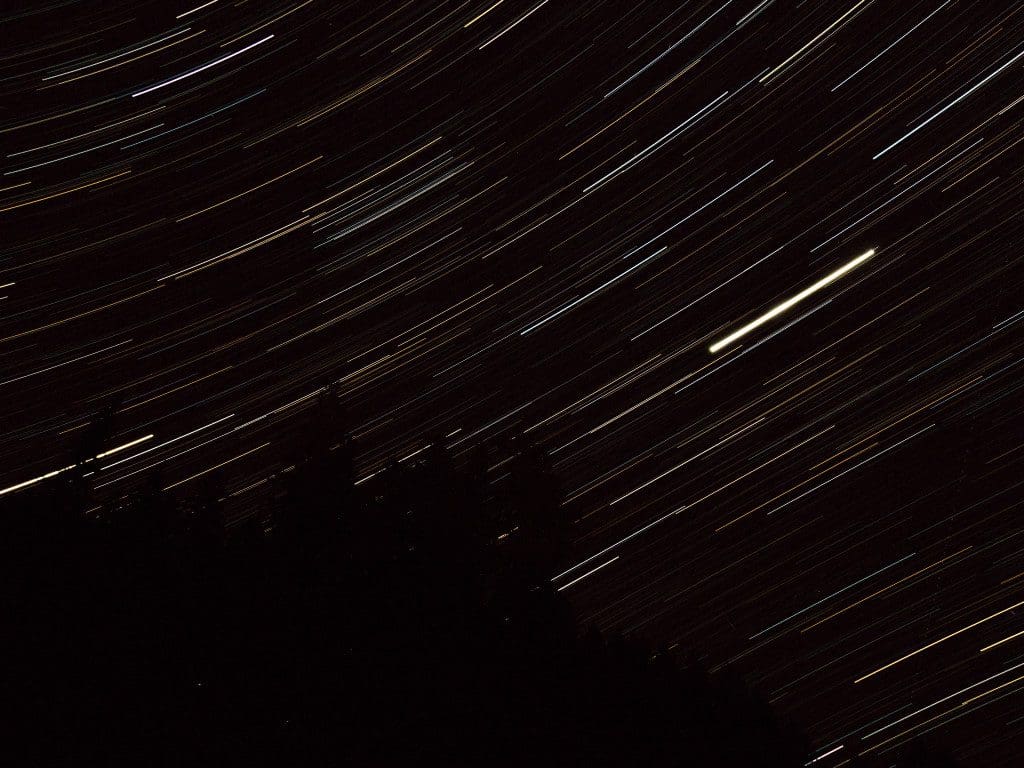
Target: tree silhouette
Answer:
pixel 315 491
pixel 95 437
pixel 409 619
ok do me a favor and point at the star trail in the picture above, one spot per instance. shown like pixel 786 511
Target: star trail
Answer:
pixel 749 271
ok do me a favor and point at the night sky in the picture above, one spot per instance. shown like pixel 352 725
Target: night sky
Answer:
pixel 750 271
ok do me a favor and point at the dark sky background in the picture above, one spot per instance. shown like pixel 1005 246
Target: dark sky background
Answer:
pixel 482 218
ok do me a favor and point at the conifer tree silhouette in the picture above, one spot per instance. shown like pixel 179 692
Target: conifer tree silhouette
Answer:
pixel 388 623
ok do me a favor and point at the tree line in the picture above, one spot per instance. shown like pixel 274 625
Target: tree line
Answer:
pixel 403 621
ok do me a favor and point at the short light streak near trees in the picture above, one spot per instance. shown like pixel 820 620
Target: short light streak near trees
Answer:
pixel 789 303
pixel 54 473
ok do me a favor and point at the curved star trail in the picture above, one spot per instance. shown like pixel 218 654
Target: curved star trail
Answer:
pixel 482 218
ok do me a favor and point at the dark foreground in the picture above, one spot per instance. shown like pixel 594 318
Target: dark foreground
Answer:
pixel 409 621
